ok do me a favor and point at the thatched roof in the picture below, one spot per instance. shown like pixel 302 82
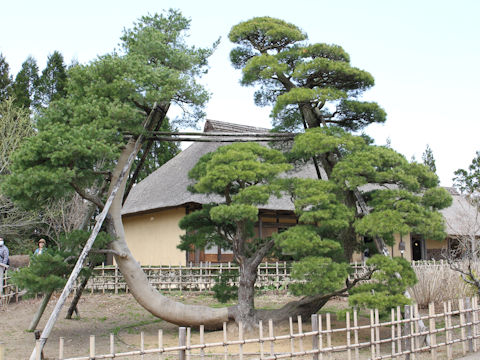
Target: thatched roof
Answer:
pixel 167 186
pixel 461 218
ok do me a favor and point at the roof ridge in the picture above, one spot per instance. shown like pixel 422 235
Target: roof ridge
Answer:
pixel 223 126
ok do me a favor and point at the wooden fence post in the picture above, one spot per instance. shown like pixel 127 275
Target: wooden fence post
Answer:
pixel 182 332
pixel 372 334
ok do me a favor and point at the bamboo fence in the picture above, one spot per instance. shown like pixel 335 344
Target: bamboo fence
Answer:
pixel 201 277
pixel 9 290
pixel 450 333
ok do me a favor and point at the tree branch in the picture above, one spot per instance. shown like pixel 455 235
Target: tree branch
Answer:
pixel 92 198
pixel 109 251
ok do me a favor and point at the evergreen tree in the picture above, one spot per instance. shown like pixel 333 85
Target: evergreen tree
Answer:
pixel 428 159
pixel 5 79
pixel 25 84
pixel 309 85
pixel 50 270
pixel 52 83
pixel 468 180
pixel 247 176
pixel 85 138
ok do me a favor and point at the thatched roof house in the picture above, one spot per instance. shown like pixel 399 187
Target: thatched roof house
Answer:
pixel 154 207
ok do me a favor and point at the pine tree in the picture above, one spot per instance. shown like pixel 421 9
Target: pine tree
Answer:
pixel 25 84
pixel 52 83
pixel 428 159
pixel 247 176
pixel 309 85
pixel 5 79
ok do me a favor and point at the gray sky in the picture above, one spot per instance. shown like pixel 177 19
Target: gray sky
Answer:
pixel 423 54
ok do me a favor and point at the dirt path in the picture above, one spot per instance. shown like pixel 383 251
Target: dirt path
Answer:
pixel 102 315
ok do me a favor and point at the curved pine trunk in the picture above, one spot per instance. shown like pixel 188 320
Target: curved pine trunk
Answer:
pixel 145 294
pixel 304 307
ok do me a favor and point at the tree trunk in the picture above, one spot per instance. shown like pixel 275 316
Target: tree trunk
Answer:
pixel 244 311
pixel 78 293
pixel 304 307
pixel 40 311
pixel 146 295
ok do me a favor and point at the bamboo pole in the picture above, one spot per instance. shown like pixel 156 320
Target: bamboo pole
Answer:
pixel 407 332
pixel 260 334
pixel 392 317
pixel 300 331
pixel 292 339
pixel 315 336
pixel 433 336
pixel 222 134
pixel 329 336
pixel 399 329
pixel 347 325
pixel 469 323
pixel 475 321
pixel 355 333
pixel 377 332
pixel 181 342
pixel 160 344
pixel 61 346
pixel 372 334
pixel 112 344
pixel 461 308
pixel 189 339
pixel 240 337
pixel 270 334
pixel 218 139
pixel 92 347
pixel 412 331
pixel 447 332
pixel 81 259
pixel 202 341
pixel 225 341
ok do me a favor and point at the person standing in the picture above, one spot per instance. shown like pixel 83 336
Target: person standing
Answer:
pixel 3 262
pixel 41 247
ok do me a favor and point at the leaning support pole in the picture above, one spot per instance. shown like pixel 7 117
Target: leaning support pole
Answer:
pixel 79 265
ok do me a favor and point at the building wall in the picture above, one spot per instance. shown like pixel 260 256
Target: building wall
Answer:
pixel 436 248
pixel 153 237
